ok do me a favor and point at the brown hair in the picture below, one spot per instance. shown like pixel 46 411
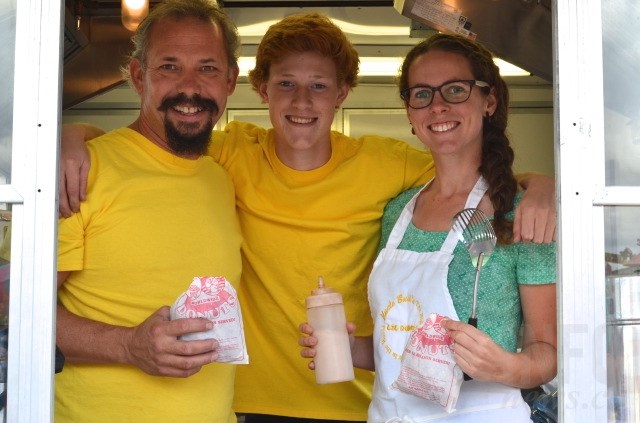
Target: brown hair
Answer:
pixel 306 32
pixel 497 154
pixel 204 10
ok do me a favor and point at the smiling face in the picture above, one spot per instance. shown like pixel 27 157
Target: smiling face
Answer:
pixel 183 85
pixel 302 93
pixel 443 127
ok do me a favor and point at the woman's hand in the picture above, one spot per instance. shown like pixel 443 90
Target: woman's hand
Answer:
pixel 536 363
pixel 476 353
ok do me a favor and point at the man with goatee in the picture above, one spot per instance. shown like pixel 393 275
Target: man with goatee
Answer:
pixel 140 237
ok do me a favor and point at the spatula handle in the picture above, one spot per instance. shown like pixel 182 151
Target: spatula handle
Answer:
pixel 473 321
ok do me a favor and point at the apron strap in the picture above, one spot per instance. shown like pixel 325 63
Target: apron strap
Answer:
pixel 397 233
pixel 473 200
pixel 477 193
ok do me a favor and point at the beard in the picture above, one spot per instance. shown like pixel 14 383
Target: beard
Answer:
pixel 189 138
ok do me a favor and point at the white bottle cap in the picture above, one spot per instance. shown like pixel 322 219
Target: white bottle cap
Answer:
pixel 323 296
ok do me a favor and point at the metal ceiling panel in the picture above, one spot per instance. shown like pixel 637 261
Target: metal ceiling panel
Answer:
pixel 518 31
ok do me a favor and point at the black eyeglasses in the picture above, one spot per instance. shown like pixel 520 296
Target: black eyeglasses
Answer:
pixel 421 96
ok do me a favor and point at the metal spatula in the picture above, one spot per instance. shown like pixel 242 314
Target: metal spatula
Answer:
pixel 476 233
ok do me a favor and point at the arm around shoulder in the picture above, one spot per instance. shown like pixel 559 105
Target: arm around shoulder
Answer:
pixel 83 131
pixel 535 216
pixel 74 165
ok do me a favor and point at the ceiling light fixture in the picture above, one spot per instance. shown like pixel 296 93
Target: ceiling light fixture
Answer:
pixel 258 29
pixel 369 66
pixel 386 66
pixel 509 69
pixel 133 12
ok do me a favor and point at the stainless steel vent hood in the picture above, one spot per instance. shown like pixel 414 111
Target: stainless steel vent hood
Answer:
pixel 519 31
pixel 95 46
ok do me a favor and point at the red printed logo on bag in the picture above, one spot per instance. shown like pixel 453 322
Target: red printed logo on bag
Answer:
pixel 207 298
pixel 431 338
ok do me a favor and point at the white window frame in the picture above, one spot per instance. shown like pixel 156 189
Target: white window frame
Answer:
pixel 579 104
pixel 579 127
pixel 33 195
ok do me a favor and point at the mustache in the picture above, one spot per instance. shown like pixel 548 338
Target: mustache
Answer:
pixel 195 101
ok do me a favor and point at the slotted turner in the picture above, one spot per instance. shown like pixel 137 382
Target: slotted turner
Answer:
pixel 476 233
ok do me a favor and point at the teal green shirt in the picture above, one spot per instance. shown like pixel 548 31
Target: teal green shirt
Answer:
pixel 498 310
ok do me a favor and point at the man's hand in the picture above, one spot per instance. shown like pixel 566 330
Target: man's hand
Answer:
pixel 153 346
pixel 535 216
pixel 308 341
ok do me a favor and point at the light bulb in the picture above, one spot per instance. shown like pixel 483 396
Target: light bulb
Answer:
pixel 133 12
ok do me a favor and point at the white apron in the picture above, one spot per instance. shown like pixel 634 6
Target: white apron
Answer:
pixel 404 288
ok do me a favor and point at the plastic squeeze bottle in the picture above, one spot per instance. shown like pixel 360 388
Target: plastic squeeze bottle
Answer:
pixel 325 312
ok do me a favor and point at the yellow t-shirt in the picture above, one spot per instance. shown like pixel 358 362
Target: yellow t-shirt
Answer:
pixel 152 221
pixel 297 226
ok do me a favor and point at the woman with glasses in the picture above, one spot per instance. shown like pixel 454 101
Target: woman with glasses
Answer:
pixel 457 102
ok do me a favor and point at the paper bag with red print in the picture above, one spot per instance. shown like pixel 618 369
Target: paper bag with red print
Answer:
pixel 428 369
pixel 214 298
